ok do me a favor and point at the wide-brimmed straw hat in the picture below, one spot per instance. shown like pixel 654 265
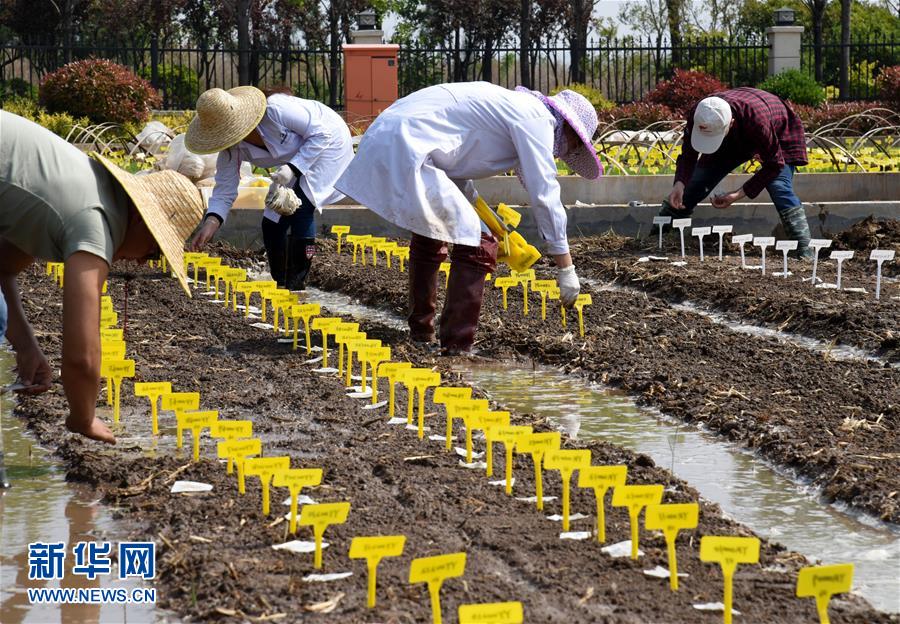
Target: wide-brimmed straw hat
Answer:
pixel 224 118
pixel 170 205
pixel 581 115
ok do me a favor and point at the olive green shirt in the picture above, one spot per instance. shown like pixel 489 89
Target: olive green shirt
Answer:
pixel 54 199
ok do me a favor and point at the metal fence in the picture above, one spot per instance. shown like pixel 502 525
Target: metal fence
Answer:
pixel 867 57
pixel 623 70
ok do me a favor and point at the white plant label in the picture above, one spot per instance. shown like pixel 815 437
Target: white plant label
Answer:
pixel 880 256
pixel 700 232
pixel 722 230
pixel 816 244
pixel 839 257
pixel 681 224
pixel 784 246
pixel 763 242
pixel 741 240
pixel 661 221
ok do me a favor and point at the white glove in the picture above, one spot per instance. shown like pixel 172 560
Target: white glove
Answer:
pixel 569 287
pixel 284 176
pixel 282 200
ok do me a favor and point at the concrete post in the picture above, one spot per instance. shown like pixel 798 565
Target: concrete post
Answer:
pixel 367 37
pixel 784 48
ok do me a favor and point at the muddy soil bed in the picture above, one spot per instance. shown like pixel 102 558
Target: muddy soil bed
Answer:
pixel 848 318
pixel 835 423
pixel 214 557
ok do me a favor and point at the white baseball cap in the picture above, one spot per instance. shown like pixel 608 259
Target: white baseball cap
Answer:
pixel 712 119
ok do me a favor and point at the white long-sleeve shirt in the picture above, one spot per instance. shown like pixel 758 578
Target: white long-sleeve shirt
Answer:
pixel 416 160
pixel 304 133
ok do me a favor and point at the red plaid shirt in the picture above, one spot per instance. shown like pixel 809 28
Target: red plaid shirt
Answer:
pixel 764 128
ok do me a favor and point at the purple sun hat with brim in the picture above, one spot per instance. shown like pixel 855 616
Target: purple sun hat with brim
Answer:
pixel 578 112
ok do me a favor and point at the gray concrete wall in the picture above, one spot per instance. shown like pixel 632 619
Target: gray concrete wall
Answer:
pixel 833 203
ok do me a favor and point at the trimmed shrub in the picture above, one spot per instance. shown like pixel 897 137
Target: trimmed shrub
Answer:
pixel 684 89
pixel 180 84
pixel 814 117
pixel 888 84
pixel 100 90
pixel 59 123
pixel 594 96
pixel 16 88
pixel 796 86
pixel 638 115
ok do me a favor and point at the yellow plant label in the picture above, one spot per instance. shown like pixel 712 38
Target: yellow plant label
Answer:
pixel 485 421
pixel 822 582
pixel 231 429
pixel 491 613
pixel 670 519
pixel 265 468
pixel 447 393
pixel 112 350
pixel 509 436
pixel 566 461
pixel 117 369
pixel 320 517
pixel 106 304
pixel 373 549
pixel 180 401
pixel 537 445
pixel 434 571
pixel 510 217
pixel 635 498
pixel 601 479
pixel 728 552
pixel 340 229
pixel 295 479
pixel 111 334
pixel 394 371
pixel 152 389
pixel 465 409
pixel 543 285
pixel 195 421
pixel 237 451
pixel 583 300
pixel 523 276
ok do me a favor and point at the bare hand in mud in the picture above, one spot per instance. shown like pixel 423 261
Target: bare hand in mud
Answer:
pixel 33 372
pixel 95 430
pixel 676 197
pixel 207 230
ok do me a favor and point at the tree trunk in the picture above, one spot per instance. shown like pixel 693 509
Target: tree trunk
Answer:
pixel 333 54
pixel 525 41
pixel 845 49
pixel 673 12
pixel 487 62
pixel 243 28
pixel 578 38
pixel 817 10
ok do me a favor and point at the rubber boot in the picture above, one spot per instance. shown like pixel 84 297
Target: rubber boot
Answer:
pixel 301 251
pixel 465 292
pixel 796 227
pixel 425 258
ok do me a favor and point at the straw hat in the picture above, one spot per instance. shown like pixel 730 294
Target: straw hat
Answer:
pixel 224 118
pixel 170 205
pixel 581 115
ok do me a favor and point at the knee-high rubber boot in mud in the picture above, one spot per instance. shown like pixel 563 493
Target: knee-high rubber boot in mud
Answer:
pixel 425 258
pixel 465 291
pixel 301 251
pixel 796 227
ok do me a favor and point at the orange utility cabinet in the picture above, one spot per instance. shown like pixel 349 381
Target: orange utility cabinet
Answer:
pixel 370 78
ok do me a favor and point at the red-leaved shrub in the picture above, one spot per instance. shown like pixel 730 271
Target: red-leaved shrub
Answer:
pixel 888 84
pixel 684 89
pixel 637 115
pixel 814 117
pixel 99 89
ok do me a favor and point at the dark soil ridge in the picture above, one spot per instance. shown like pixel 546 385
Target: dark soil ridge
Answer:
pixel 784 402
pixel 214 557
pixel 830 316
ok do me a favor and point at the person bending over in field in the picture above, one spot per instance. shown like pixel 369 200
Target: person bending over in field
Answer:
pixel 58 204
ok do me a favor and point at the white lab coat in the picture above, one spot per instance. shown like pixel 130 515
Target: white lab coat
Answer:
pixel 305 133
pixel 415 163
